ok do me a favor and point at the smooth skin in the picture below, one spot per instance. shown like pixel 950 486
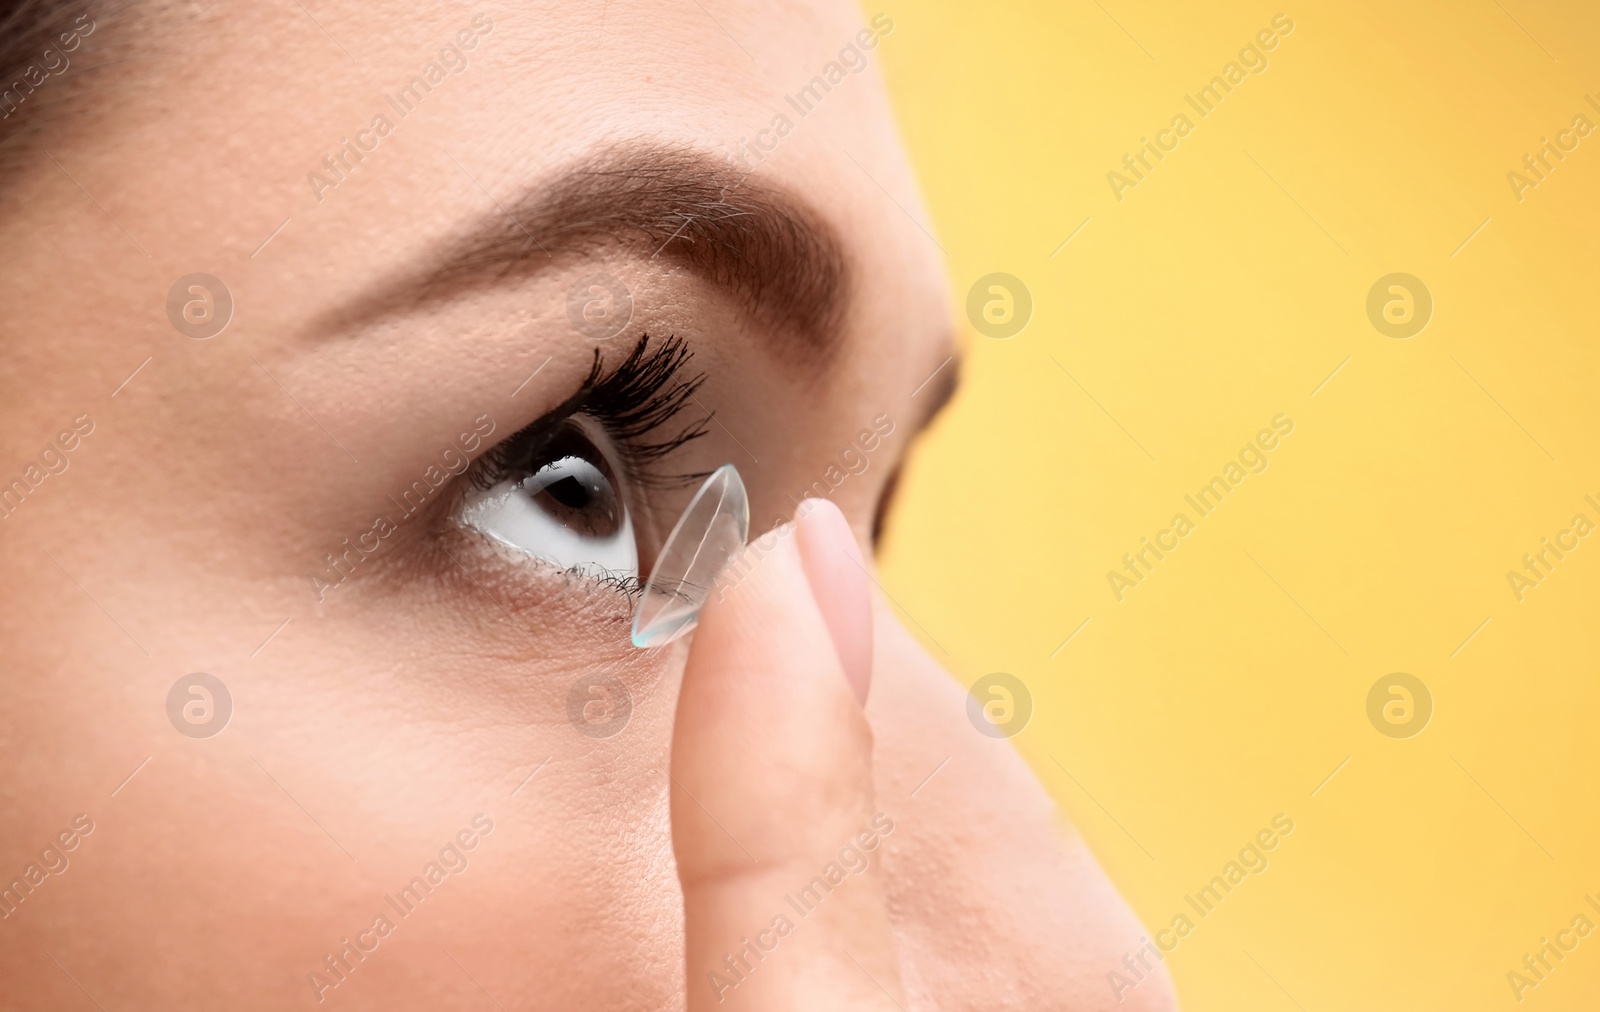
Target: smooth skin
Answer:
pixel 428 695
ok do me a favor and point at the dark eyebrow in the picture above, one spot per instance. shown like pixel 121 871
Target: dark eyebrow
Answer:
pixel 767 247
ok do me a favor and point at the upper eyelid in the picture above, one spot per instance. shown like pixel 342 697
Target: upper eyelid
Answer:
pixel 632 399
pixel 490 466
pixel 643 393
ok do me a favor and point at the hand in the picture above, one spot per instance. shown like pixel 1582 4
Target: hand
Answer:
pixel 774 825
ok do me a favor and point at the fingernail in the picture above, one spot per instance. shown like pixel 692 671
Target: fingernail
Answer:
pixel 838 579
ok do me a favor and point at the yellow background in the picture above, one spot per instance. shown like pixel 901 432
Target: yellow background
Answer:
pixel 1211 298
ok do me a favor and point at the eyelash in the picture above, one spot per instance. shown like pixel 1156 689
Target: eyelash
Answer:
pixel 632 400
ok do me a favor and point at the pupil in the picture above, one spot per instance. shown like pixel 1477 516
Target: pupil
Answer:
pixel 569 492
pixel 574 490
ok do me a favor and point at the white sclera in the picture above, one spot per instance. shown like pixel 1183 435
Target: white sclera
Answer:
pixel 508 514
pixel 711 531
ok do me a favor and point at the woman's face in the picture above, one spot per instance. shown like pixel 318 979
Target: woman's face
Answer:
pixel 502 278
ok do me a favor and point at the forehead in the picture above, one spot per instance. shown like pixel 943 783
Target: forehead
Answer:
pixel 352 136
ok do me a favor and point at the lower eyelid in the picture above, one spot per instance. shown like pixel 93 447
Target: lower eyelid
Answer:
pixel 536 593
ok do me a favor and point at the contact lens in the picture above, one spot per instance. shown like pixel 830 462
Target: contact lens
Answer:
pixel 711 531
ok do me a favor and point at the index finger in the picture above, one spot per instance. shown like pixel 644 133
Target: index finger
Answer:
pixel 774 825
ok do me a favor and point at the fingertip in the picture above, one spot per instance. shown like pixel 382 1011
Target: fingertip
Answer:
pixel 839 584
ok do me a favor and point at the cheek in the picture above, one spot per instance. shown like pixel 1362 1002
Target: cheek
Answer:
pixel 393 722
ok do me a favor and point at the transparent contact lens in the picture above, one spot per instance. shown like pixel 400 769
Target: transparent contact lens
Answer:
pixel 711 531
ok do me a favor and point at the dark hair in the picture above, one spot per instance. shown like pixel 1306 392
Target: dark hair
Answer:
pixel 31 51
pixel 28 27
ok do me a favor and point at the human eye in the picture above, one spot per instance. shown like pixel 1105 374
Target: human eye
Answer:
pixel 560 500
pixel 567 489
